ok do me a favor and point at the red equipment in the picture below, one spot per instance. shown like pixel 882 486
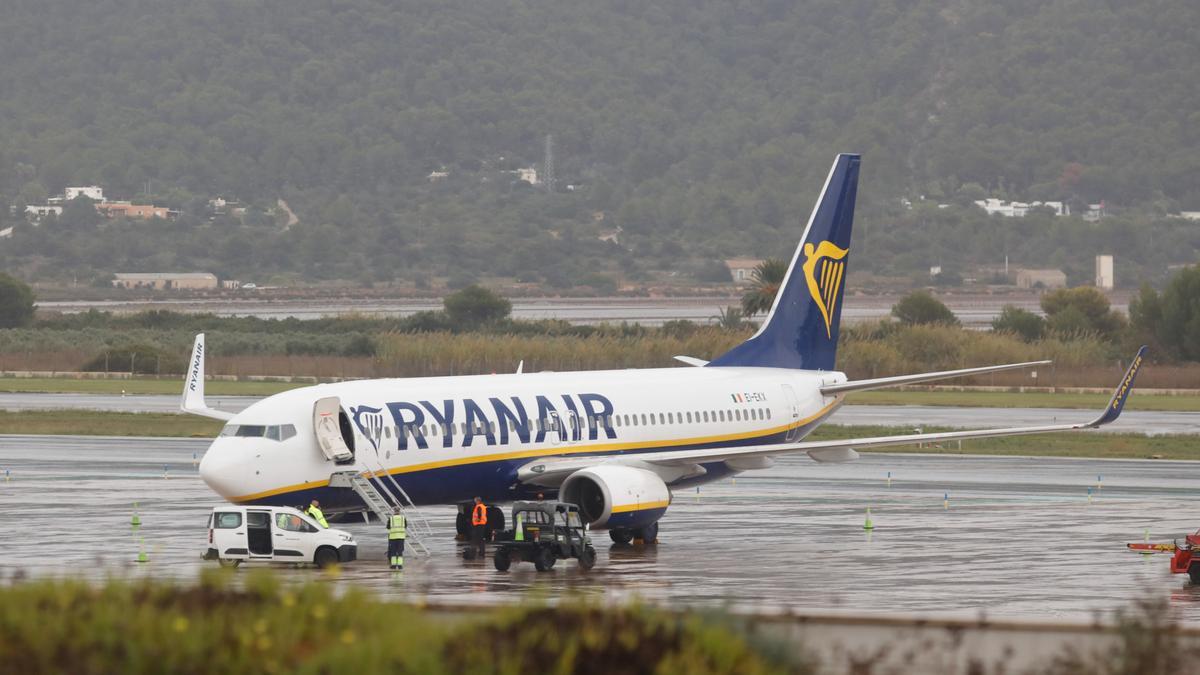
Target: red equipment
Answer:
pixel 1183 560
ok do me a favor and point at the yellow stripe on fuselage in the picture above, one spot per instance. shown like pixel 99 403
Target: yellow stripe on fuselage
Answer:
pixel 552 452
pixel 641 507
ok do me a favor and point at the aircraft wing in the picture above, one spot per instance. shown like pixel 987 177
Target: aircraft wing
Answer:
pixel 551 470
pixel 880 382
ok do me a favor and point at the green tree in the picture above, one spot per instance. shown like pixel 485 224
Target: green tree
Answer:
pixel 474 306
pixel 1020 322
pixel 16 302
pixel 1081 309
pixel 920 307
pixel 767 277
pixel 1181 314
pixel 730 318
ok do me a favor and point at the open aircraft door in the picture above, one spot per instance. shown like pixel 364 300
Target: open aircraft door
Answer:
pixel 327 425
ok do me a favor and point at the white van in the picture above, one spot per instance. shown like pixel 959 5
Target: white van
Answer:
pixel 274 534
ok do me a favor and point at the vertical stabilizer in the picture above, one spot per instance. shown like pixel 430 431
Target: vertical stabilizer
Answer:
pixel 193 386
pixel 801 330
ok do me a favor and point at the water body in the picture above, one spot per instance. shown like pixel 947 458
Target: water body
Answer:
pixel 1019 539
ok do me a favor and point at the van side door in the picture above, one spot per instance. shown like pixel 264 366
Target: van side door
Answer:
pixel 229 534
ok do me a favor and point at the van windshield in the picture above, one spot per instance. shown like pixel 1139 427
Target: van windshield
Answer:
pixel 274 432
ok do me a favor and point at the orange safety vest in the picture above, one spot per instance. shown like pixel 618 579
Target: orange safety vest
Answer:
pixel 479 515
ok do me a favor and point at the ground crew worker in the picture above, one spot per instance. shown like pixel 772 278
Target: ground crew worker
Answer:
pixel 478 526
pixel 314 510
pixel 396 537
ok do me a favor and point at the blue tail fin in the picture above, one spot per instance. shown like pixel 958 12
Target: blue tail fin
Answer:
pixel 801 330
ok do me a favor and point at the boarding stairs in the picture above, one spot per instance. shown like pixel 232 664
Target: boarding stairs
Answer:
pixel 382 500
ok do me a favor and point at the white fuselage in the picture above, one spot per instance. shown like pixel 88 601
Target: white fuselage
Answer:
pixel 446 439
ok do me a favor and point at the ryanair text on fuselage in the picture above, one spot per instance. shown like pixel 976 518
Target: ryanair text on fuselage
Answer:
pixel 497 421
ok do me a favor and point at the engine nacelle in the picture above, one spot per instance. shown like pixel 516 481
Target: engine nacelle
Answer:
pixel 617 496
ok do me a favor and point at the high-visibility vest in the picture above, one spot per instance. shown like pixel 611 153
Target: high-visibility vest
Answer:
pixel 396 526
pixel 479 515
pixel 317 515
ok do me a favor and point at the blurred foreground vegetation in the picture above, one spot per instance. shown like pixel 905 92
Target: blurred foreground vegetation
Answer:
pixel 213 627
pixel 261 626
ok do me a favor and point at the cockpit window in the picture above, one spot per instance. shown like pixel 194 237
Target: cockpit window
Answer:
pixel 274 432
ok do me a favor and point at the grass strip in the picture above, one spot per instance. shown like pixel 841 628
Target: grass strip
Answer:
pixel 1007 399
pixel 100 423
pixel 68 385
pixel 1094 445
pixel 969 399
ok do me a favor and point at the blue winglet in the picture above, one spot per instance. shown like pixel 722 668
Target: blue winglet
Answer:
pixel 1117 403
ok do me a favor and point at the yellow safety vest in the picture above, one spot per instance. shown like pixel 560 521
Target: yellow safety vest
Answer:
pixel 396 526
pixel 317 515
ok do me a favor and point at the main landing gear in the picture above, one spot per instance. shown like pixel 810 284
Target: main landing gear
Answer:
pixel 625 536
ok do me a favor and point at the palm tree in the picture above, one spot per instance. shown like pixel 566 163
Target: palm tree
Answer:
pixel 729 318
pixel 768 276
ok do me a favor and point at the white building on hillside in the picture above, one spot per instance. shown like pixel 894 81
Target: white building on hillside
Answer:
pixel 93 192
pixel 995 206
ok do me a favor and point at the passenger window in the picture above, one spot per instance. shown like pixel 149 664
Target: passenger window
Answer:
pixel 662 419
pixel 689 418
pixel 258 519
pixel 651 419
pixel 768 413
pixel 227 520
pixel 644 423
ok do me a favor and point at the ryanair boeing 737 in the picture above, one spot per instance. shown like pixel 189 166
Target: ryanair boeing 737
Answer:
pixel 616 442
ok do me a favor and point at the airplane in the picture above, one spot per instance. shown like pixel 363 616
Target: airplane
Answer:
pixel 618 443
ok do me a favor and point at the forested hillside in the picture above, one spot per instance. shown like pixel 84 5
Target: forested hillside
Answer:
pixel 702 129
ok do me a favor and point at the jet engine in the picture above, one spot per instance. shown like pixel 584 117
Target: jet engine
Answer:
pixel 617 497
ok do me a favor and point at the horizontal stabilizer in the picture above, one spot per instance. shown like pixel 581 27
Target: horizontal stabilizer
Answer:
pixel 881 382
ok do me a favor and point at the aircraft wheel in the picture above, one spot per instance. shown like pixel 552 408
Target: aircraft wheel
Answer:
pixel 502 559
pixel 621 536
pixel 648 534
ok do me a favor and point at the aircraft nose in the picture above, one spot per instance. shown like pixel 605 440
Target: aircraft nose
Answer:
pixel 219 470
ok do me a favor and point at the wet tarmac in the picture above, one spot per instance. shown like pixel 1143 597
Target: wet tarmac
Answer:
pixel 1132 421
pixel 1019 538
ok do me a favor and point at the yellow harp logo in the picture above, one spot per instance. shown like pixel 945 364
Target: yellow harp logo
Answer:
pixel 824 268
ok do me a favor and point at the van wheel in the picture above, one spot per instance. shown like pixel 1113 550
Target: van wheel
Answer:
pixel 229 562
pixel 325 557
